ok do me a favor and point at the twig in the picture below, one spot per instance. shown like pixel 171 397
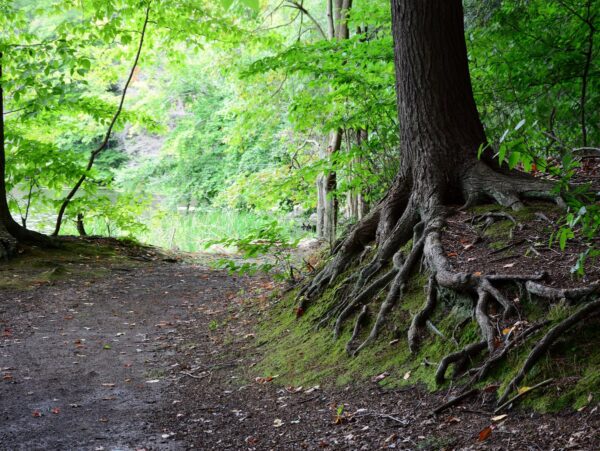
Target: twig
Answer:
pixel 193 375
pixel 455 401
pixel 381 415
pixel 508 246
pixel 523 393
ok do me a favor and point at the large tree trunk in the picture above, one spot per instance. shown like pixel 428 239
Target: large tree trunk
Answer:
pixel 440 134
pixel 440 128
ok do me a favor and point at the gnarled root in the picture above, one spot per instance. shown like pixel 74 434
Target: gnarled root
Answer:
pixel 420 319
pixel 547 340
pixel 8 244
pixel 421 213
pixel 396 290
pixel 360 320
pixel 556 294
pixel 469 352
pixel 498 355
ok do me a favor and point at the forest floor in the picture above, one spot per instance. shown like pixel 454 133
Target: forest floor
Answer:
pixel 106 349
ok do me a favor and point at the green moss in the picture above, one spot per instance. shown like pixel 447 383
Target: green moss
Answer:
pixel 302 355
pixel 74 259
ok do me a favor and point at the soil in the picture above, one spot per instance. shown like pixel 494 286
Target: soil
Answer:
pixel 158 353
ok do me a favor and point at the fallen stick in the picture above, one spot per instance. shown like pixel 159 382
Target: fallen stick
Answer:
pixel 455 401
pixel 520 395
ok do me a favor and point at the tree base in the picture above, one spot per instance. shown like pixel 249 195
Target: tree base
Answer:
pixel 8 244
pixel 416 212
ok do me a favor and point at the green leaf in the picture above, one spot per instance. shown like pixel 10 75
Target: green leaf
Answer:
pixel 252 4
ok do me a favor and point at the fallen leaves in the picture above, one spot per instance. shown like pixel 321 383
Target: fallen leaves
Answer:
pixel 380 377
pixel 278 422
pixel 264 380
pixel 7 333
pixel 485 433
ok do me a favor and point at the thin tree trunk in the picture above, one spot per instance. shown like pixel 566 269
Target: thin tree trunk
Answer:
pixel 327 201
pixel 108 134
pixel 7 241
pixel 586 70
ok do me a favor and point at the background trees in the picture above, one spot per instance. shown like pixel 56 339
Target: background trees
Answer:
pixel 233 109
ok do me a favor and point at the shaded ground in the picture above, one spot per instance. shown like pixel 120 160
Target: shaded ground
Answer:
pixel 132 352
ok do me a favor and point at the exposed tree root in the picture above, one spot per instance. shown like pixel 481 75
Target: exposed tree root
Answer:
pixel 483 319
pixel 396 291
pixel 469 352
pixel 368 293
pixel 420 319
pixel 8 244
pixel 499 354
pixel 360 319
pixel 556 294
pixel 422 218
pixel 544 344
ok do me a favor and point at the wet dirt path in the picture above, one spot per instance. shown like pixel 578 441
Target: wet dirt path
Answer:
pixel 159 356
pixel 84 366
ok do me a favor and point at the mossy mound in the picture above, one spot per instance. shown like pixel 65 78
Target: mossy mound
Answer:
pixel 302 354
pixel 73 259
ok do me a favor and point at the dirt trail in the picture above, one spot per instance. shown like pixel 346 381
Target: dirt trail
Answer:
pixel 158 355
pixel 85 366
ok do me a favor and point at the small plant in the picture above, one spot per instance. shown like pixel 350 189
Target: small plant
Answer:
pixel 268 239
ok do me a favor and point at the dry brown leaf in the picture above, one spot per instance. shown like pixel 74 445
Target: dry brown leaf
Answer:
pixel 380 377
pixel 485 434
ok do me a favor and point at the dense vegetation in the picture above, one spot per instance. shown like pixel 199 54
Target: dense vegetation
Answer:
pixel 232 110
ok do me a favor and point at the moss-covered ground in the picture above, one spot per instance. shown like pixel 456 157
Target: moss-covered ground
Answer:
pixel 73 259
pixel 301 354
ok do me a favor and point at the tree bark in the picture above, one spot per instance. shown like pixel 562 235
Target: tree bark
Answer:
pixel 327 205
pixel 440 128
pixel 7 241
pixel 440 136
pixel 327 201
